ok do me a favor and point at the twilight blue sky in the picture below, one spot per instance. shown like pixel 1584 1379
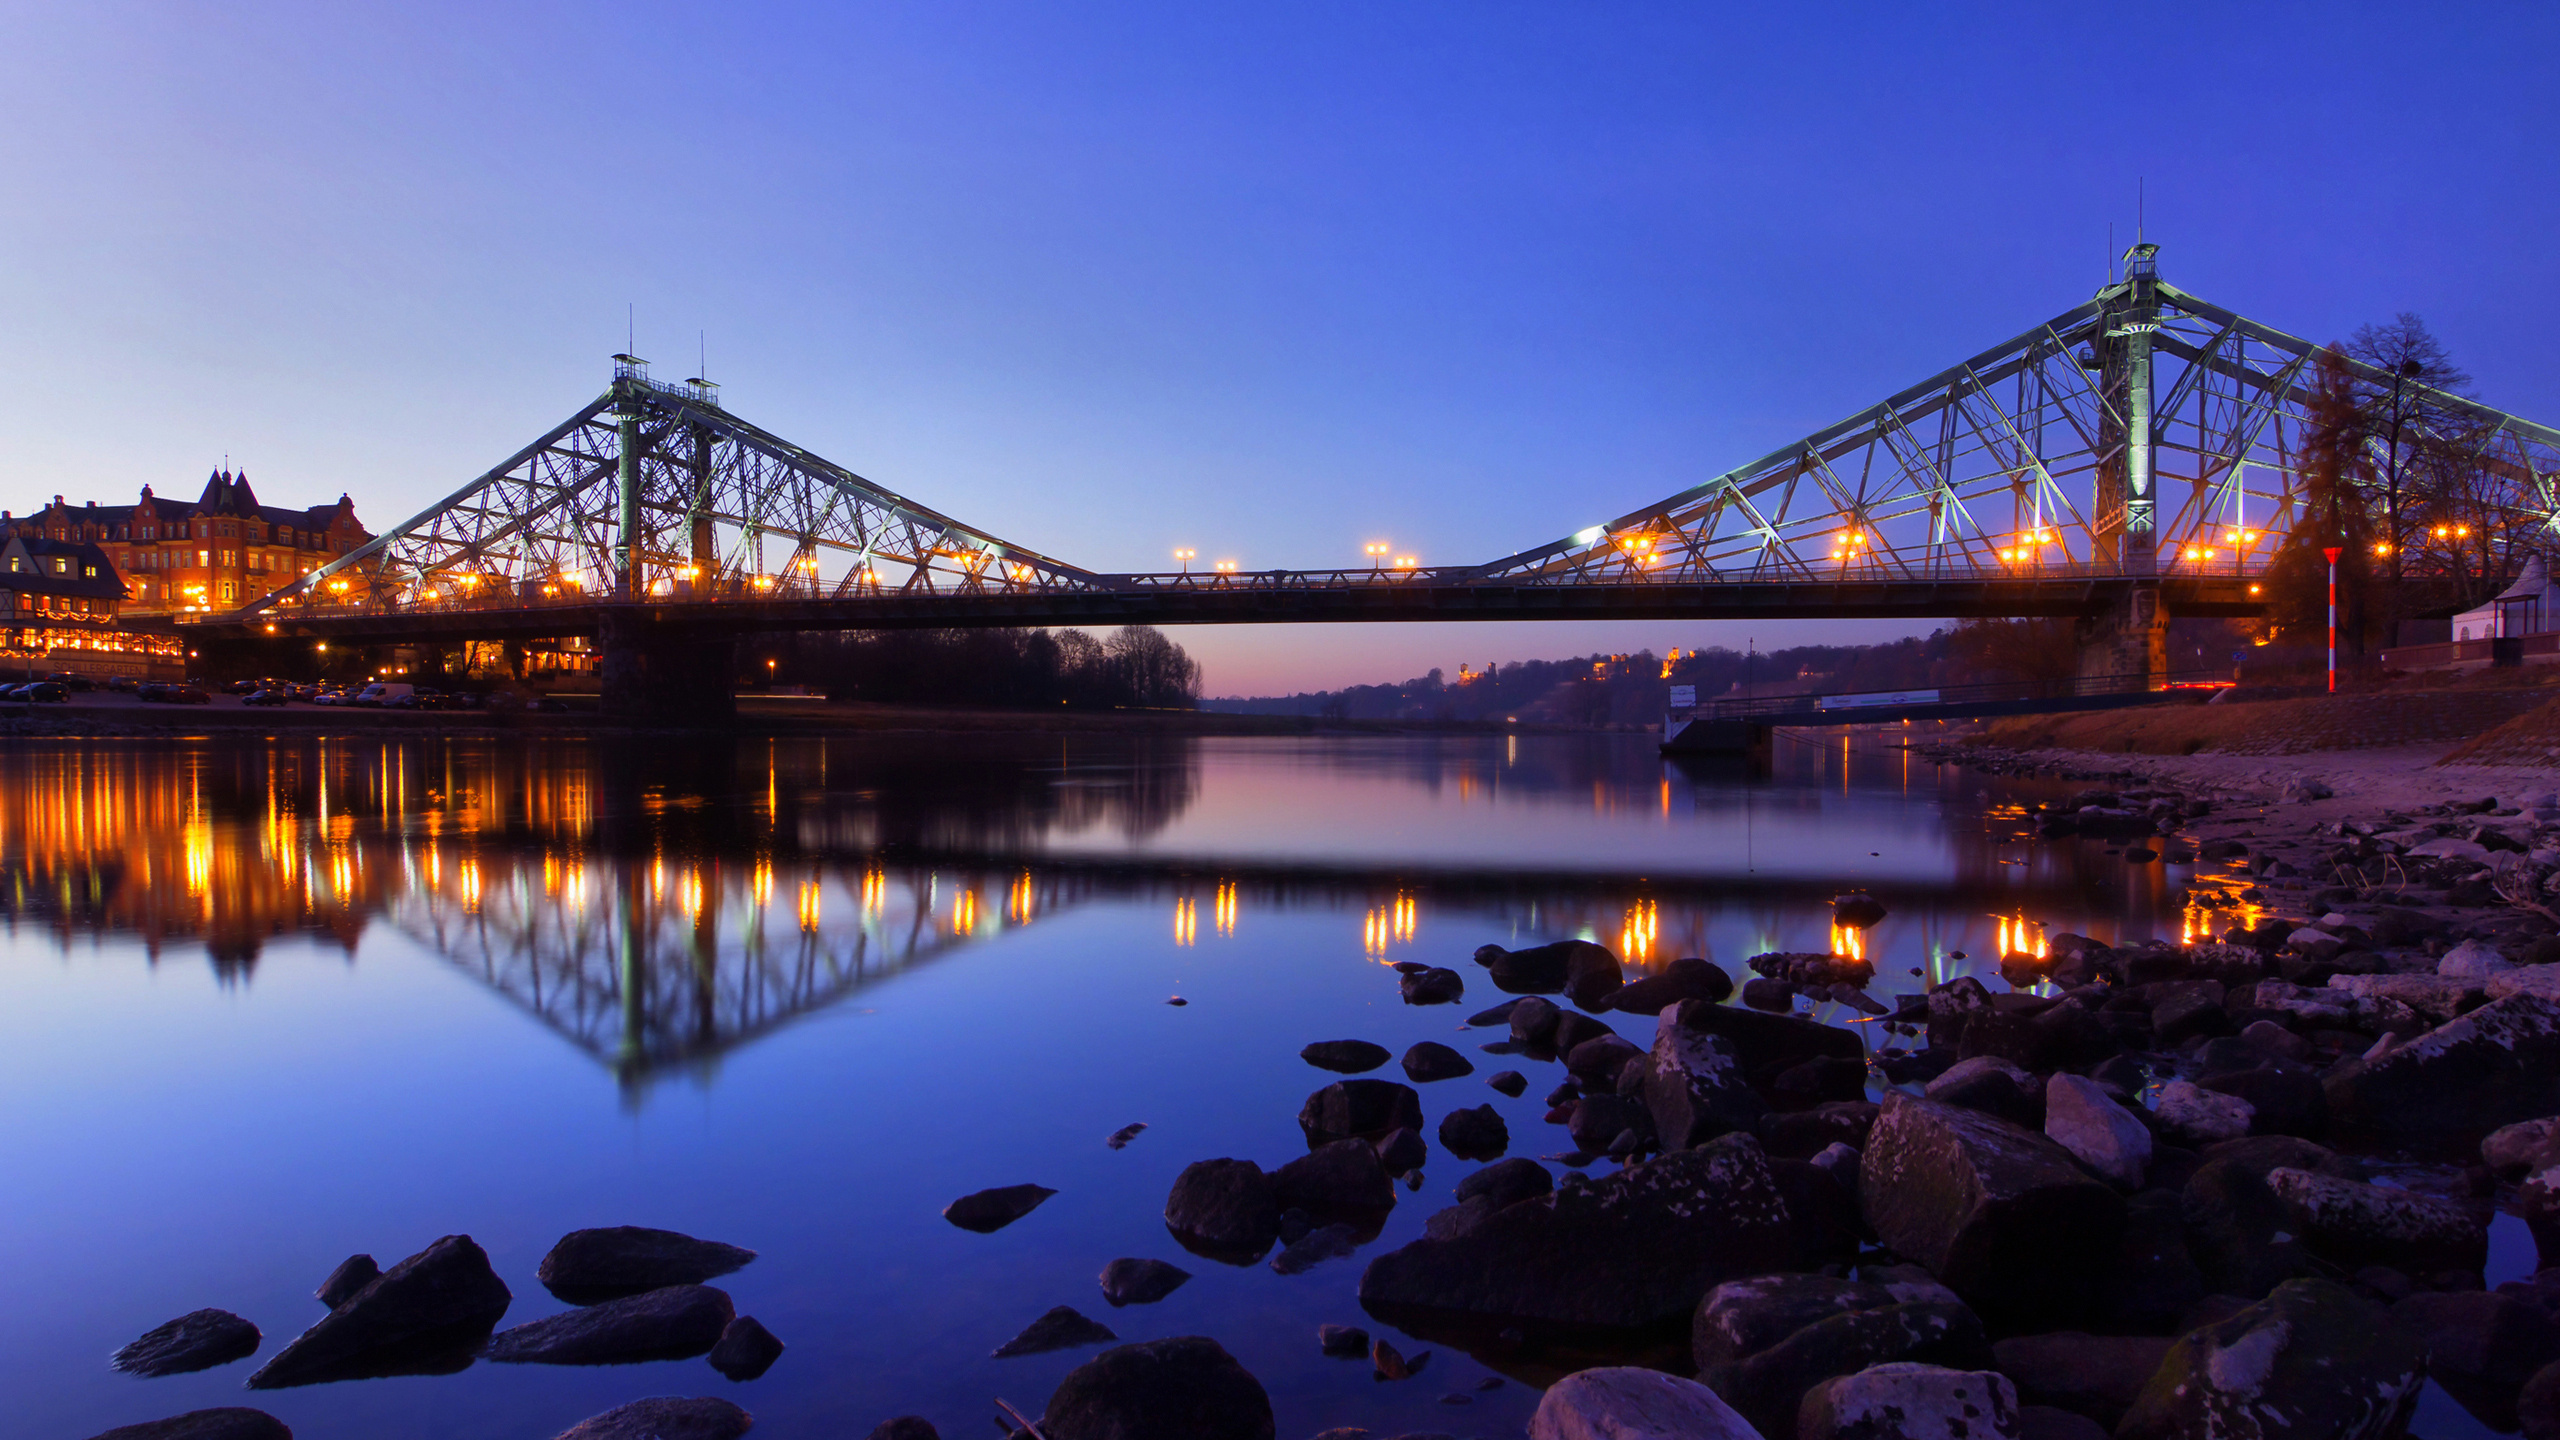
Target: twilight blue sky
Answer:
pixel 1268 281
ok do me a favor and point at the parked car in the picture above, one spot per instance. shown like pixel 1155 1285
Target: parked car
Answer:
pixel 332 697
pixel 44 692
pixel 124 684
pixel 383 692
pixel 185 695
pixel 69 681
pixel 265 697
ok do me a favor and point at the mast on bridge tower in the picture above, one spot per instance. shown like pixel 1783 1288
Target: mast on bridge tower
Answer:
pixel 630 382
pixel 2128 491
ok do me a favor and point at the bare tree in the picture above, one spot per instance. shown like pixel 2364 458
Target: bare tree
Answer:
pixel 2408 409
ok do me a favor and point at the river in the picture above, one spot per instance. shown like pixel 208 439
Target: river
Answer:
pixel 268 1003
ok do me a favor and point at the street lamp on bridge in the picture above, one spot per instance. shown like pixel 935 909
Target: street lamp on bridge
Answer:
pixel 1183 556
pixel 1377 551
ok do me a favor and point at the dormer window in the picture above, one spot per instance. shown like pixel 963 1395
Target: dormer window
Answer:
pixel 61 566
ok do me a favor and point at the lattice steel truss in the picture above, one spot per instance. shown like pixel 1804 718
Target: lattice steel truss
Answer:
pixel 653 491
pixel 2028 460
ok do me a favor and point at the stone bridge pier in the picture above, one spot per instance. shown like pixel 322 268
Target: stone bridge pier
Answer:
pixel 667 673
pixel 2129 640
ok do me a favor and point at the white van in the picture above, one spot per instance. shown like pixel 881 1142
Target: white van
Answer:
pixel 383 693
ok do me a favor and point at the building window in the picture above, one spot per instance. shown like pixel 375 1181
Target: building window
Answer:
pixel 230 589
pixel 89 572
pixel 61 566
pixel 204 559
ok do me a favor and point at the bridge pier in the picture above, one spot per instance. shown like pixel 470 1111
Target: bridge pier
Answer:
pixel 672 674
pixel 2130 638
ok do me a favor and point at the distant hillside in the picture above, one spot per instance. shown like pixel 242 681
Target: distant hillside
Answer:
pixel 1604 689
pixel 1632 689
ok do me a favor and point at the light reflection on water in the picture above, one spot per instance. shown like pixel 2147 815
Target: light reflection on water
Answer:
pixel 449 985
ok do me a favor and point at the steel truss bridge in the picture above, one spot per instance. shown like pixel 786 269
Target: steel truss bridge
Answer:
pixel 2145 442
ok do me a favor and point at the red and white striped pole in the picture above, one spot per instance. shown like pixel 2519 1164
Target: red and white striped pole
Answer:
pixel 2333 555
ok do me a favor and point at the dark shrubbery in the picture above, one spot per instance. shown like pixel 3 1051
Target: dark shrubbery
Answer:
pixel 1001 669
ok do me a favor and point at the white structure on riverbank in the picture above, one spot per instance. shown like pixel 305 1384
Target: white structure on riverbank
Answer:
pixel 2530 606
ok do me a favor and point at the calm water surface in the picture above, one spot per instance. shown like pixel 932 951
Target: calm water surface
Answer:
pixel 264 1004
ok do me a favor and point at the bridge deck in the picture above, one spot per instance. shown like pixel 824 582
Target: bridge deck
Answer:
pixel 1263 599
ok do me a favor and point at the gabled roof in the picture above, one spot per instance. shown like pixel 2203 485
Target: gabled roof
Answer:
pixel 38 578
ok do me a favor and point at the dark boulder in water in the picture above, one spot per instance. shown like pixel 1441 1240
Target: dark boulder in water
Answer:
pixel 230 1422
pixel 353 1274
pixel 746 1350
pixel 665 1417
pixel 1346 1057
pixel 1227 1210
pixel 1430 1060
pixel 427 1315
pixel 1366 1109
pixel 676 1323
pixel 1185 1388
pixel 1140 1282
pixel 606 1264
pixel 197 1340
pixel 1433 987
pixel 1689 978
pixel 1062 1328
pixel 988 1211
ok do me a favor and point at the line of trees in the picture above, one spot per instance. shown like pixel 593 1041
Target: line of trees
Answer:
pixel 2393 474
pixel 1009 669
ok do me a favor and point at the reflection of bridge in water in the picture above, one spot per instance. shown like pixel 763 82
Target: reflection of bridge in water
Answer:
pixel 658 908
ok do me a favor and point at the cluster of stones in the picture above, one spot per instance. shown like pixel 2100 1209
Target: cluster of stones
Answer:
pixel 2239 1187
pixel 638 1295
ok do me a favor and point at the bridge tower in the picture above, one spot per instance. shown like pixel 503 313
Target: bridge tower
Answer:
pixel 2131 638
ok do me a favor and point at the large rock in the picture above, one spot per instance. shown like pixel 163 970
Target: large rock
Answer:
pixel 1534 1021
pixel 1476 1133
pixel 746 1350
pixel 2099 1376
pixel 2312 1361
pixel 1063 1327
pixel 2196 1117
pixel 2081 1117
pixel 1689 978
pixel 1578 968
pixel 1908 1401
pixel 1636 1248
pixel 676 1323
pixel 2244 1240
pixel 1346 1057
pixel 2480 1346
pixel 1366 1109
pixel 1999 1213
pixel 231 1422
pixel 2283 1099
pixel 353 1274
pixel 591 1265
pixel 1140 1282
pixel 427 1315
pixel 1695 1090
pixel 1225 1210
pixel 1187 1388
pixel 1762 1343
pixel 2511 1150
pixel 1340 1181
pixel 1768 1045
pixel 1430 1060
pixel 986 1211
pixel 665 1417
pixel 2455 1083
pixel 1627 1403
pixel 197 1340
pixel 1433 987
pixel 2357 1224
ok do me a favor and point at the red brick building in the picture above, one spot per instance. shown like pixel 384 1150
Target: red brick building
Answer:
pixel 221 550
